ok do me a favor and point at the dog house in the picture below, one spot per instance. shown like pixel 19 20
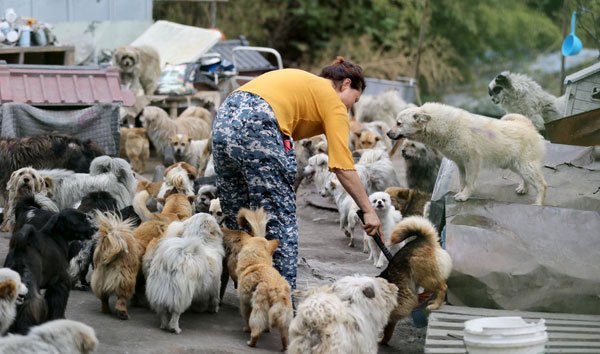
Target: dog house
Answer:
pixel 80 101
pixel 583 90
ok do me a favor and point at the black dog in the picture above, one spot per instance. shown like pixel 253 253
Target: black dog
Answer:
pixel 40 257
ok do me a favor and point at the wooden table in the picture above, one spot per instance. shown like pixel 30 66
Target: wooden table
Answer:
pixel 48 55
pixel 173 104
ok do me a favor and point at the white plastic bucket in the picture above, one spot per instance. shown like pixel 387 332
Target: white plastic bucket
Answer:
pixel 504 335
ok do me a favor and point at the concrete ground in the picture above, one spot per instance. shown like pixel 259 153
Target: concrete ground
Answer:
pixel 324 256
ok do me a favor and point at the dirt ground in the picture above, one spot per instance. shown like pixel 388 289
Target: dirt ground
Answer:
pixel 324 256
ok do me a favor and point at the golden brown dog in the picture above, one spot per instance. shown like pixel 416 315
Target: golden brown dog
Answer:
pixel 139 68
pixel 420 262
pixel 265 296
pixel 409 201
pixel 177 206
pixel 194 152
pixel 366 140
pixel 123 138
pixel 151 187
pixel 116 262
pixel 232 240
pixel 137 149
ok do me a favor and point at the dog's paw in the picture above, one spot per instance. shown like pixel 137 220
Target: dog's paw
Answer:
pixel 379 264
pixel 122 315
pixel 521 189
pixel 176 330
pixel 461 197
pixel 351 244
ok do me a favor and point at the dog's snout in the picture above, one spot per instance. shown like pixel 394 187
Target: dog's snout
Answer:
pixel 26 180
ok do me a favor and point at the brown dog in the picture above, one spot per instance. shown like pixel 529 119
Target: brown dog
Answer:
pixel 117 260
pixel 366 140
pixel 420 262
pixel 177 206
pixel 139 68
pixel 409 201
pixel 232 240
pixel 137 149
pixel 265 296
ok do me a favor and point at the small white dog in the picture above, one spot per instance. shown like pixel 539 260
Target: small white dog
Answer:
pixel 58 336
pixel 317 170
pixel 472 141
pixel 389 216
pixel 347 208
pixel 12 293
pixel 215 210
pixel 112 175
pixel 186 269
pixel 344 318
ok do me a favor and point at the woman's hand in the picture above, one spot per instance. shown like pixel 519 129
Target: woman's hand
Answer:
pixel 372 225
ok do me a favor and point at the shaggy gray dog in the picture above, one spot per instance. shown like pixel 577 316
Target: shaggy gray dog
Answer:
pixel 518 93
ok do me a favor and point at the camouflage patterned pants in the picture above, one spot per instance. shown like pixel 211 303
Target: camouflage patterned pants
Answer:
pixel 253 170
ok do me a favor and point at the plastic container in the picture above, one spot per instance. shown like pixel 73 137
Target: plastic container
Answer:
pixel 25 39
pixel 10 15
pixel 12 36
pixel 4 27
pixel 571 45
pixel 505 335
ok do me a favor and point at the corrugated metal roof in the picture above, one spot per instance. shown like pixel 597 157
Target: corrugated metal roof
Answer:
pixel 246 61
pixel 582 74
pixel 54 85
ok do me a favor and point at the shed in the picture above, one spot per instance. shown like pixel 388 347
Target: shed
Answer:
pixel 583 90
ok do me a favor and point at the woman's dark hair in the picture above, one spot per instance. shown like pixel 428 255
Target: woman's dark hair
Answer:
pixel 341 69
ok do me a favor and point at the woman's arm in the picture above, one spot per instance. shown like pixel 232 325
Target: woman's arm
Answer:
pixel 351 183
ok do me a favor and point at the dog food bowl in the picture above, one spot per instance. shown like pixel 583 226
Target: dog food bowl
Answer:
pixel 571 45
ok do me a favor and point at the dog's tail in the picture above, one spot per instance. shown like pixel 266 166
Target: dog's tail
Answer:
pixel 111 232
pixel 139 206
pixel 414 226
pixel 255 219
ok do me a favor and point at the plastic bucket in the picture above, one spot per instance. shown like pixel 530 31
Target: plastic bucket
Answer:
pixel 504 335
pixel 571 45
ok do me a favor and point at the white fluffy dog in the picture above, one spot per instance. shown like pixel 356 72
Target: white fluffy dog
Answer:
pixel 471 141
pixel 215 210
pixel 518 93
pixel 344 318
pixel 195 122
pixel 317 169
pixel 347 208
pixel 186 269
pixel 112 175
pixel 12 293
pixel 58 336
pixel 389 216
pixel 24 181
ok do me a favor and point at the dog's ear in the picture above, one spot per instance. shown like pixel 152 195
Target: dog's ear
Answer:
pixel 272 246
pixel 12 182
pixel 369 292
pixel 377 138
pixel 502 80
pixel 191 198
pixel 49 183
pixel 8 290
pixel 322 163
pixel 358 134
pixel 422 117
pixel 306 143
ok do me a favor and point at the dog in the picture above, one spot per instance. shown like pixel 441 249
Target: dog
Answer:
pixel 422 165
pixel 59 336
pixel 186 269
pixel 389 216
pixel 139 68
pixel 45 151
pixel 12 293
pixel 204 195
pixel 265 296
pixel 347 208
pixel 420 262
pixel 368 140
pixel 215 210
pixel 38 252
pixel 383 107
pixel 470 141
pixel 160 126
pixel 343 318
pixel 124 133
pixel 112 175
pixel 117 261
pixel 24 181
pixel 195 152
pixel 518 93
pixel 256 221
pixel 304 149
pixel 410 202
pixel 177 207
pixel 137 149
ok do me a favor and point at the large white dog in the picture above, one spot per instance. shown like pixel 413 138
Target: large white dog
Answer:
pixel 471 141
pixel 186 269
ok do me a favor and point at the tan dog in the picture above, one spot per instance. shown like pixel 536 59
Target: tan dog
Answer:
pixel 139 68
pixel 117 260
pixel 123 138
pixel 177 207
pixel 366 140
pixel 409 201
pixel 265 296
pixel 420 262
pixel 194 152
pixel 137 149
pixel 151 187
pixel 232 240
pixel 24 181
pixel 160 126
